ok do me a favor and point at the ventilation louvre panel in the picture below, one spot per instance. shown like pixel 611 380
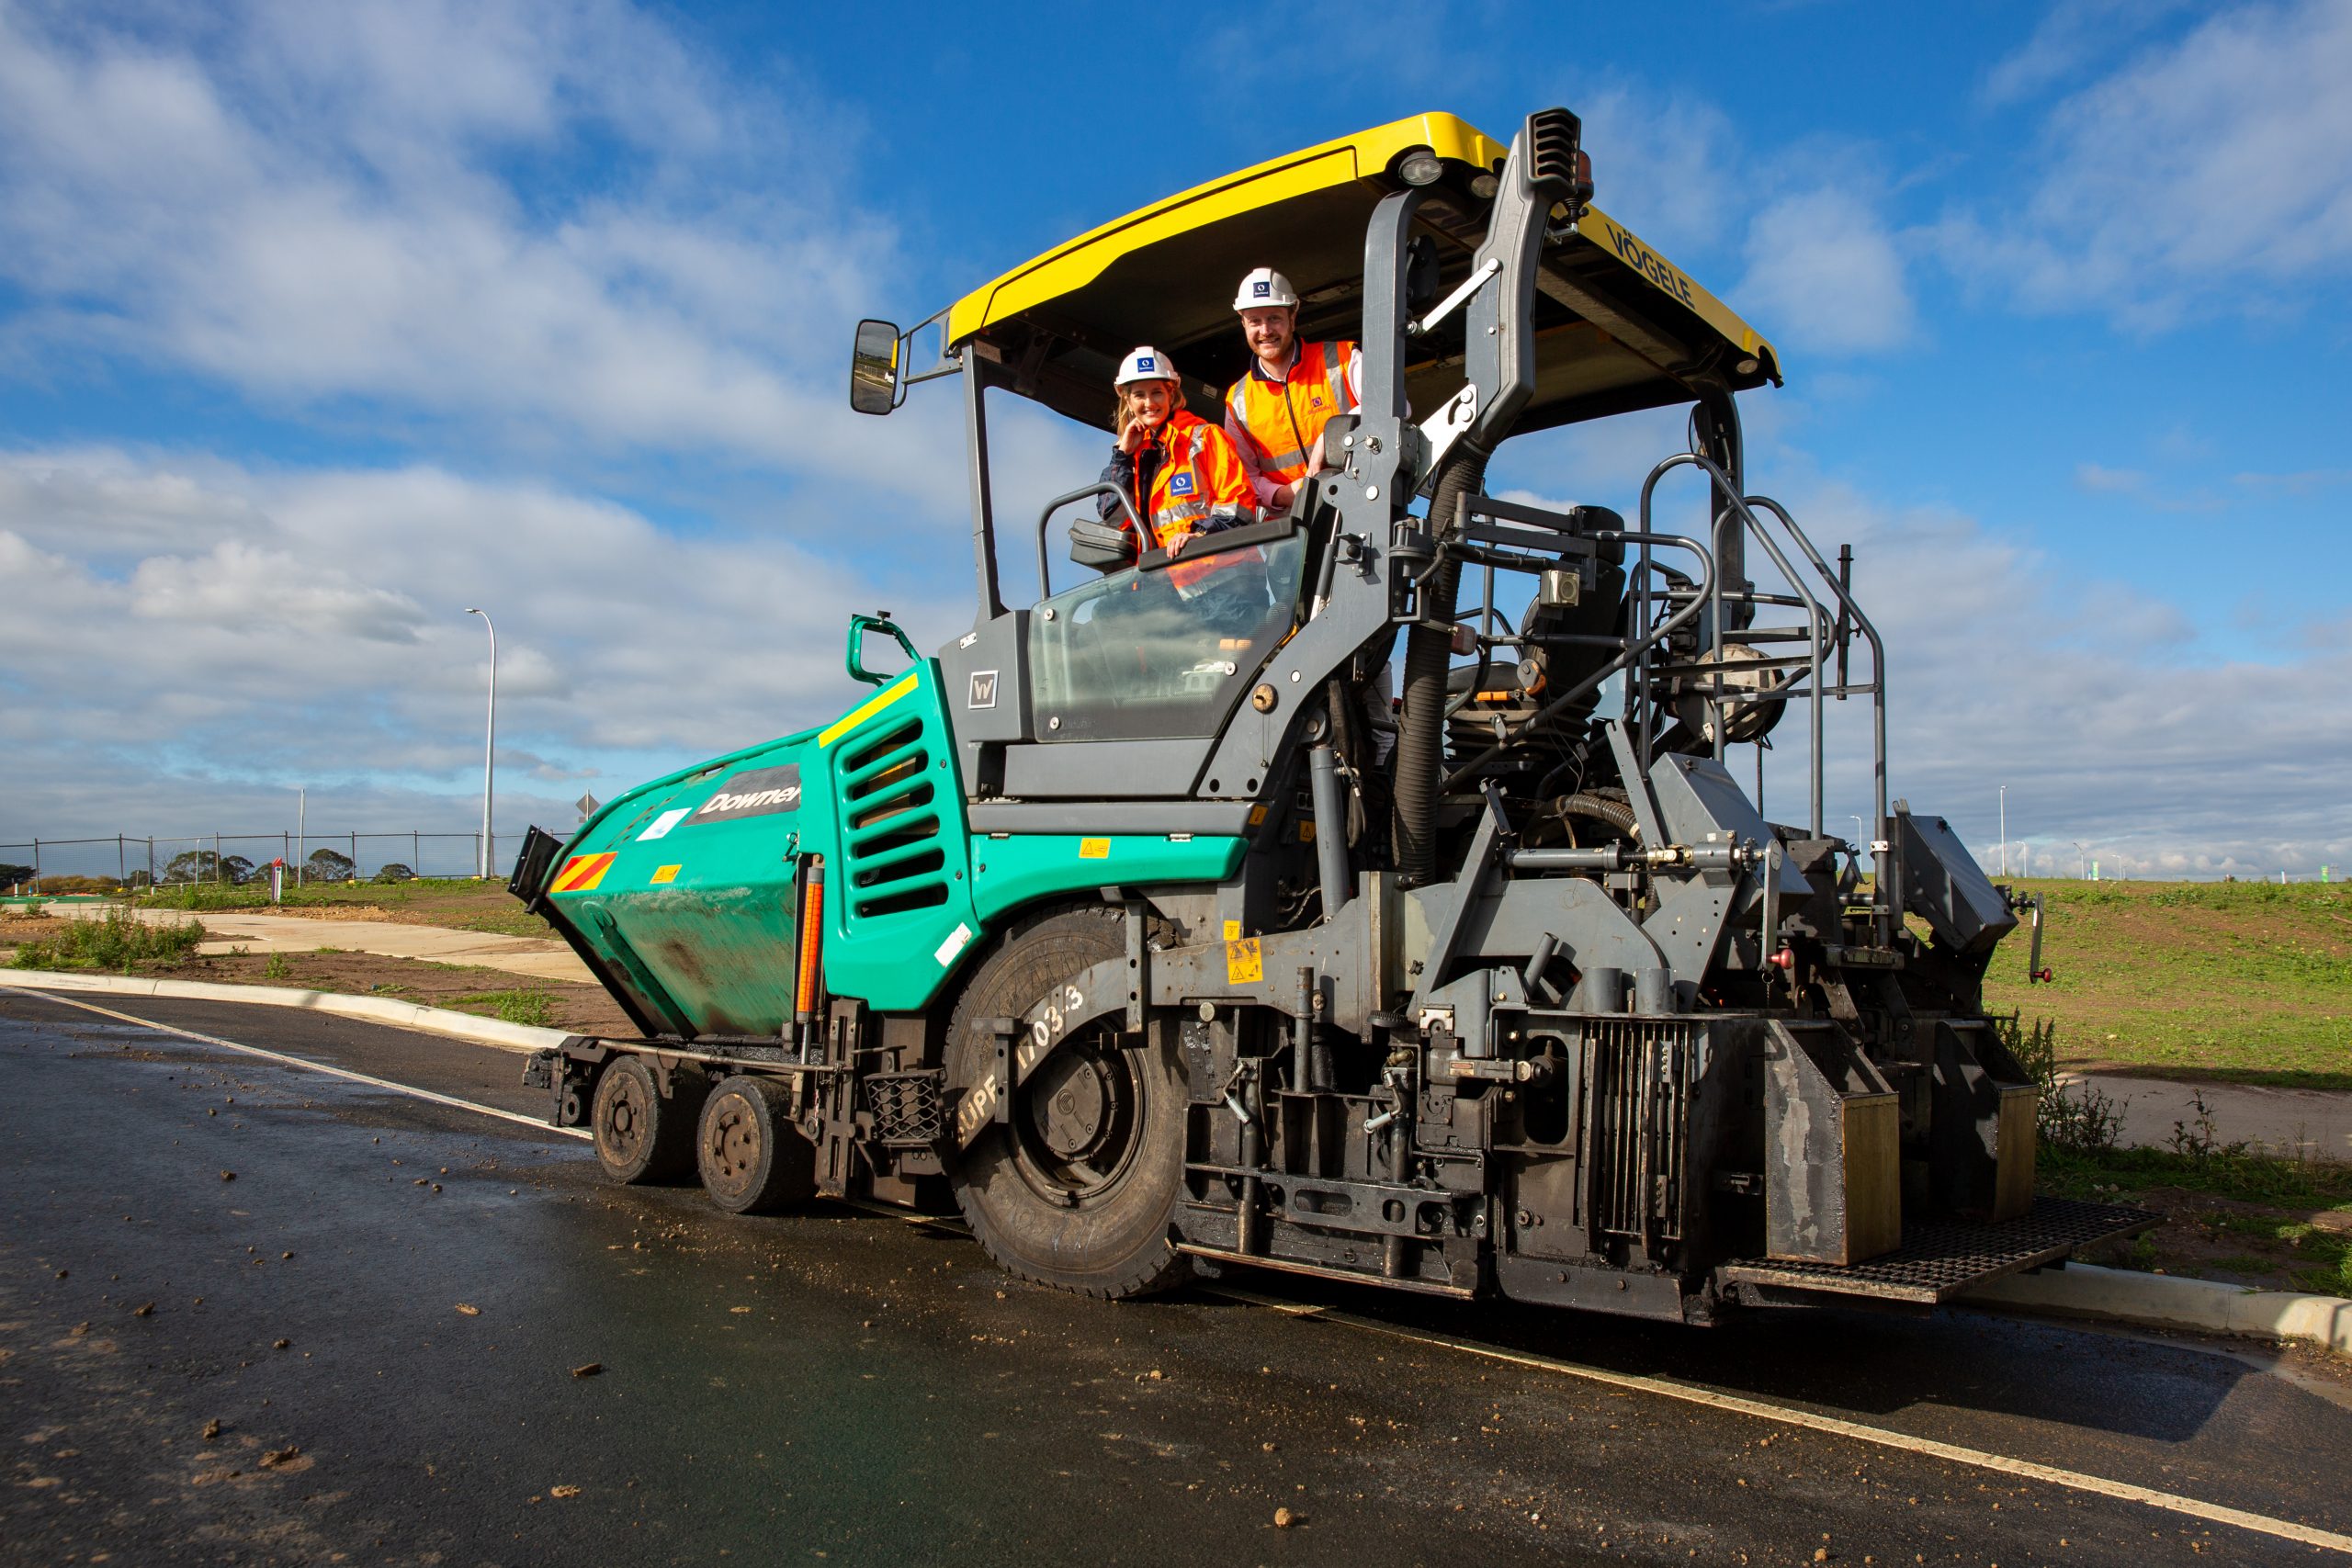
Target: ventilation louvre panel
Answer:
pixel 894 863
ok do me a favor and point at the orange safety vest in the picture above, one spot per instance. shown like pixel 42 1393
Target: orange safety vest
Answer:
pixel 1286 418
pixel 1199 473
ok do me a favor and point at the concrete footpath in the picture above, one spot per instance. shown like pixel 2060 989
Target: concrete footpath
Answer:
pixel 2311 1122
pixel 541 958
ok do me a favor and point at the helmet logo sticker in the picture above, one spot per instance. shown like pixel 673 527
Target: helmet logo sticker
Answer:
pixel 1260 289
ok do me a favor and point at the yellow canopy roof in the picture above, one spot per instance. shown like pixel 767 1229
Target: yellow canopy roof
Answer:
pixel 1618 327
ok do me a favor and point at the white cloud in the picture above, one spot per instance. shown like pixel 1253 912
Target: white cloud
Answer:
pixel 1667 167
pixel 2160 495
pixel 2071 36
pixel 382 202
pixel 2206 169
pixel 2102 480
pixel 2094 704
pixel 249 628
pixel 1826 276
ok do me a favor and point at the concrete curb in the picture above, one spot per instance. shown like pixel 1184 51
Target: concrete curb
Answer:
pixel 519 1037
pixel 2162 1301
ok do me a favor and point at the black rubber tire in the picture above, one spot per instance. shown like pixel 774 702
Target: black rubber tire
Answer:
pixel 640 1137
pixel 752 1157
pixel 1113 1242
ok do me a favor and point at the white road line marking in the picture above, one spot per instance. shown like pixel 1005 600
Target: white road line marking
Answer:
pixel 279 1056
pixel 2262 1524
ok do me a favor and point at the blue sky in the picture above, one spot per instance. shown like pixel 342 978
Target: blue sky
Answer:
pixel 319 323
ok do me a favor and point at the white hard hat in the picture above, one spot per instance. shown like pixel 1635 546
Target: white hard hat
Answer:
pixel 1145 364
pixel 1265 287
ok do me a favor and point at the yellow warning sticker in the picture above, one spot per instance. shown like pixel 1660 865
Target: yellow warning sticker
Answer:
pixel 1094 849
pixel 1244 964
pixel 667 872
pixel 1256 815
pixel 1307 833
pixel 1233 931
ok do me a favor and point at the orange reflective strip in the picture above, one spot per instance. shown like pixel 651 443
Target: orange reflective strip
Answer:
pixel 812 924
pixel 1335 371
pixel 581 873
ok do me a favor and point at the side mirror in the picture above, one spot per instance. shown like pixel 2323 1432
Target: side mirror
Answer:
pixel 875 385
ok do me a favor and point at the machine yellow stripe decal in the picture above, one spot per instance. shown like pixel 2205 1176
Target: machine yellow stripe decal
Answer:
pixel 872 705
pixel 1614 238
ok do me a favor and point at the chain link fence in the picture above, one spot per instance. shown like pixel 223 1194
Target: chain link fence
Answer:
pixel 139 860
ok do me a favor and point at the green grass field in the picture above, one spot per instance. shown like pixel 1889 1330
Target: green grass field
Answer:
pixel 2245 982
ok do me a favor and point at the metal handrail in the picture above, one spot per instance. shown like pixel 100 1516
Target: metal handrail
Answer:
pixel 1817 637
pixel 1888 870
pixel 1044 573
pixel 1885 907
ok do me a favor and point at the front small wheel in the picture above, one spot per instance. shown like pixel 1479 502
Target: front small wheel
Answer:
pixel 753 1159
pixel 640 1137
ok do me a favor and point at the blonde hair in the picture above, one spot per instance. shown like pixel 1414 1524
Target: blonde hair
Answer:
pixel 1126 410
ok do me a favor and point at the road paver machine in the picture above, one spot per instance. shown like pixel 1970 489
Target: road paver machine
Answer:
pixel 1155 946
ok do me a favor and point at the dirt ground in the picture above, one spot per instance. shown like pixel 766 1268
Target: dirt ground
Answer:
pixel 14 929
pixel 2278 1249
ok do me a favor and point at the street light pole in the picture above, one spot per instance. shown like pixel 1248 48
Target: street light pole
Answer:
pixel 2082 861
pixel 1861 837
pixel 489 743
pixel 2005 829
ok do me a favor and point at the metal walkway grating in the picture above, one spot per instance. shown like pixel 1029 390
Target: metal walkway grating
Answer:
pixel 1940 1259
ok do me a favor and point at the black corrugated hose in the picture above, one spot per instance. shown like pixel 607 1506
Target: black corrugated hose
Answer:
pixel 1428 650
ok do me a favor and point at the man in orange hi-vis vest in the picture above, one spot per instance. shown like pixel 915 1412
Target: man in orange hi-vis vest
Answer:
pixel 1275 413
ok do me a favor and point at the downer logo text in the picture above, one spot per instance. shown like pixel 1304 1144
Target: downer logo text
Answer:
pixel 761 793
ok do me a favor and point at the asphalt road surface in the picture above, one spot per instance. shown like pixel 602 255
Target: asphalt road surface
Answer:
pixel 254 1314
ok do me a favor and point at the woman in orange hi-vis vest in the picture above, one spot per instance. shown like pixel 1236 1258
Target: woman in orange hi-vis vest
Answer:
pixel 1181 471
pixel 1276 412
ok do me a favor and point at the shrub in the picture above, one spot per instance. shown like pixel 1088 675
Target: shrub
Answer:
pixel 206 896
pixel 54 884
pixel 115 941
pixel 2070 1118
pixel 275 967
pixel 393 870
